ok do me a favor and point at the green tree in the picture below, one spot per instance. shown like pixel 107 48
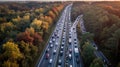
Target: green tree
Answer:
pixel 85 37
pixel 97 62
pixel 88 53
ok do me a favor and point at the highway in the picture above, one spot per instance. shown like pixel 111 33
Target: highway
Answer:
pixel 62 49
pixel 50 53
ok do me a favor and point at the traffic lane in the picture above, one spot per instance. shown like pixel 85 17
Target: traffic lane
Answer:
pixel 63 45
pixel 42 57
pixel 62 57
pixel 55 56
pixel 50 53
pixel 77 58
pixel 44 62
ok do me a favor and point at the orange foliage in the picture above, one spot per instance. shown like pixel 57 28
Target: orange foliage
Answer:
pixel 51 14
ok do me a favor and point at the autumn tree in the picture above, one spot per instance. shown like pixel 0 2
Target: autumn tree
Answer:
pixel 25 36
pixel 30 36
pixel 29 51
pixel 36 24
pixel 11 54
pixel 51 14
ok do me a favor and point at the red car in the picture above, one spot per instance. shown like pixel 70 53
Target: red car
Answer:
pixel 47 55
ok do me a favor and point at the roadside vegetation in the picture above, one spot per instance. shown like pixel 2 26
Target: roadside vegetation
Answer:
pixel 24 30
pixel 102 20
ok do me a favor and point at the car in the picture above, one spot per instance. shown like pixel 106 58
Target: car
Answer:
pixel 47 50
pixel 51 45
pixel 73 28
pixel 53 39
pixel 62 47
pixel 95 47
pixel 57 36
pixel 75 39
pixel 77 60
pixel 50 42
pixel 70 50
pixel 63 43
pixel 59 61
pixel 56 43
pixel 75 42
pixel 55 33
pixel 70 65
pixel 59 66
pixel 50 61
pixel 75 46
pixel 54 52
pixel 52 36
pixel 70 56
pixel 63 38
pixel 47 55
pixel 61 53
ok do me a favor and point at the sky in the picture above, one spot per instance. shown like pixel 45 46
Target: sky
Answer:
pixel 59 0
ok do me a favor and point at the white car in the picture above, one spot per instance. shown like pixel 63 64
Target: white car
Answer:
pixel 51 45
pixel 56 43
pixel 53 39
pixel 70 56
pixel 50 42
pixel 70 65
pixel 54 51
pixel 59 61
pixel 50 61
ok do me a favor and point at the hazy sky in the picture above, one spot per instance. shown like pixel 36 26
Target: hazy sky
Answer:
pixel 59 0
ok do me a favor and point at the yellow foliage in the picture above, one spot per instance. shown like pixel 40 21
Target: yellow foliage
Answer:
pixel 26 17
pixel 10 64
pixel 12 51
pixel 36 24
pixel 41 10
pixel 45 25
pixel 16 19
pixel 30 30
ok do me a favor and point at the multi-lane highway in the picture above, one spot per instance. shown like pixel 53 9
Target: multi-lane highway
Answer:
pixel 62 47
pixel 49 57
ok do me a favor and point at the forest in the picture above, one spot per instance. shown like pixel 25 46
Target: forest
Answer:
pixel 25 28
pixel 102 22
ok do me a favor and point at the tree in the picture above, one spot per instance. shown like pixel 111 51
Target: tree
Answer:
pixel 11 51
pixel 30 30
pixel 25 36
pixel 51 14
pixel 26 17
pixel 118 64
pixel 36 24
pixel 88 53
pixel 10 64
pixel 97 62
pixel 16 20
pixel 117 40
pixel 48 19
pixel 29 51
pixel 37 39
pixel 85 37
pixel 45 26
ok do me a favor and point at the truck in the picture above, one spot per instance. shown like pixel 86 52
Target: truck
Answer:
pixel 70 40
pixel 76 52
